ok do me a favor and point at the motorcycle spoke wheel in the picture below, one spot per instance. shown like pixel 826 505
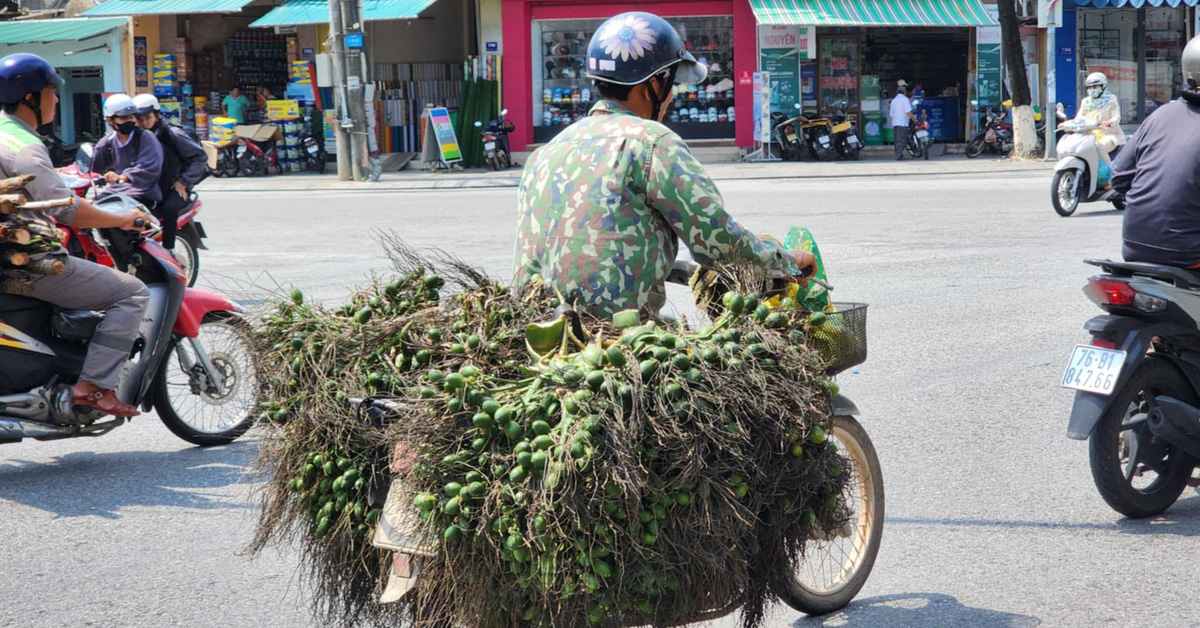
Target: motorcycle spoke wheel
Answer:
pixel 1064 189
pixel 195 406
pixel 834 569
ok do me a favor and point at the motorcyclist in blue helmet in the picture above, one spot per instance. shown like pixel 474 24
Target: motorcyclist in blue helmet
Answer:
pixel 28 86
pixel 637 58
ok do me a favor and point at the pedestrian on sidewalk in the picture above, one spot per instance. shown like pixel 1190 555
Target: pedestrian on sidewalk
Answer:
pixel 901 114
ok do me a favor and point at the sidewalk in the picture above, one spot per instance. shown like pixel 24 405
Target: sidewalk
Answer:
pixel 872 166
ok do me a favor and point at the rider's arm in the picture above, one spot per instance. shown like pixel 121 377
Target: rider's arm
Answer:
pixel 143 174
pixel 192 154
pixel 101 163
pixel 679 188
pixel 1125 165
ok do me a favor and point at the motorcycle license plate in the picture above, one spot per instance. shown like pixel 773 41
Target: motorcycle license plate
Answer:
pixel 1093 369
pixel 312 150
pixel 241 151
pixel 791 137
pixel 922 134
pixel 489 146
pixel 853 140
pixel 824 140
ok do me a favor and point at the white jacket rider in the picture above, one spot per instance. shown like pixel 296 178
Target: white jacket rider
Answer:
pixel 1102 107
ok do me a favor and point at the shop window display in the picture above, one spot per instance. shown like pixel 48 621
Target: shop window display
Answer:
pixel 563 94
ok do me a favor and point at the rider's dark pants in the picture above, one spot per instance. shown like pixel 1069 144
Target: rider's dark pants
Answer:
pixel 167 213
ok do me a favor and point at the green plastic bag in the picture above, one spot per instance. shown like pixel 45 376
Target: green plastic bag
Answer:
pixel 817 298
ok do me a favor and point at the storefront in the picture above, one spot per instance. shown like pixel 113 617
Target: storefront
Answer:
pixel 94 56
pixel 1136 43
pixel 419 52
pixel 545 59
pixel 850 54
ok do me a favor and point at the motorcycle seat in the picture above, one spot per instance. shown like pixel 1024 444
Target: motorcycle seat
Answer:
pixel 75 325
pixel 1181 277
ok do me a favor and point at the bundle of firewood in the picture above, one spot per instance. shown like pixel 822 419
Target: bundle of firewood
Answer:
pixel 23 236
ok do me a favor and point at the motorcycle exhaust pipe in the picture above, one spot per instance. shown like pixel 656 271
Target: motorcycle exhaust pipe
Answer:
pixel 1177 423
pixel 13 430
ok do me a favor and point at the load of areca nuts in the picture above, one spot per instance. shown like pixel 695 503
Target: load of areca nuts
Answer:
pixel 567 470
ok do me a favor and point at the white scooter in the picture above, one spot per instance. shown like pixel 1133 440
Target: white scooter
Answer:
pixel 1080 176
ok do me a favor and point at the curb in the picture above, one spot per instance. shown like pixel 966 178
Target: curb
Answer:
pixel 471 183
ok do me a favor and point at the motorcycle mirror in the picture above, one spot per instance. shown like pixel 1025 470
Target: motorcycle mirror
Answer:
pixel 975 103
pixel 83 158
pixel 504 112
pixel 478 123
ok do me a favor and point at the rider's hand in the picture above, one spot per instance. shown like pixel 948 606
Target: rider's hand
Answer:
pixel 181 189
pixel 807 264
pixel 129 221
pixel 1105 125
pixel 111 177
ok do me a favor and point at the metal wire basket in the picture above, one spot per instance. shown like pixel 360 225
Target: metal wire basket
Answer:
pixel 842 339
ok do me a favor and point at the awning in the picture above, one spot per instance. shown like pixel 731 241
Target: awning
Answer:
pixel 1135 3
pixel 295 12
pixel 42 31
pixel 165 7
pixel 872 12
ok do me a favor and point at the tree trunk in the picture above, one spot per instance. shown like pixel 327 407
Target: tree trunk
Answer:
pixel 1024 127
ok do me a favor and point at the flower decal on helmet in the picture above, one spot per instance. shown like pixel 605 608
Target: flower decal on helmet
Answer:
pixel 629 38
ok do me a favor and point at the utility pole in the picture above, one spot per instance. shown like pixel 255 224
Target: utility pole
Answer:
pixel 338 33
pixel 356 69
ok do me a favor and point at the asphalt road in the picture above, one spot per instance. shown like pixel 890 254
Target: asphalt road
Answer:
pixel 976 302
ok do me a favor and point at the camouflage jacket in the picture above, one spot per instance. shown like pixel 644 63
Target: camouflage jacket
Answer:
pixel 600 209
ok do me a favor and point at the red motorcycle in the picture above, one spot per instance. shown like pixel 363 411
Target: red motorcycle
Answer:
pixel 193 362
pixel 80 243
pixel 257 153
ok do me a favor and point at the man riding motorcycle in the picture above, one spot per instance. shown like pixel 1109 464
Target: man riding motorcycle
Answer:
pixel 130 159
pixel 28 86
pixel 1102 107
pixel 184 164
pixel 1159 173
pixel 603 205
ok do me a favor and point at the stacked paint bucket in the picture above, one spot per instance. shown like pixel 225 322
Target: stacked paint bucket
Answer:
pixel 290 158
pixel 223 130
pixel 164 75
pixel 202 117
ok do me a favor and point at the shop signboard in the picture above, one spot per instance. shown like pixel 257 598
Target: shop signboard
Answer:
pixel 279 110
pixel 781 51
pixel 839 72
pixel 988 63
pixel 441 128
pixel 808 85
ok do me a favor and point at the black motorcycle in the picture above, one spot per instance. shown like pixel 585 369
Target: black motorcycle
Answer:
pixel 1137 383
pixel 495 141
pixel 846 140
pixel 315 157
pixel 995 135
pixel 61 155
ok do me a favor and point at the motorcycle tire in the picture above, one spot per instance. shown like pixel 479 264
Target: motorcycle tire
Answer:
pixel 187 253
pixel 1118 203
pixel 852 565
pixel 502 160
pixel 1064 180
pixel 822 153
pixel 246 166
pixel 1107 447
pixel 243 375
pixel 975 147
pixel 493 162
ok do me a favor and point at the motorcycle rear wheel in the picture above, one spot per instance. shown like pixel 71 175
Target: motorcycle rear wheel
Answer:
pixel 189 406
pixel 187 253
pixel 1064 202
pixel 1122 432
pixel 844 562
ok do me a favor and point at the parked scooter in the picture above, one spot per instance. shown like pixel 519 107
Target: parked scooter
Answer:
pixel 846 141
pixel 80 243
pixel 1081 176
pixel 1136 383
pixel 804 134
pixel 994 136
pixel 257 152
pixel 495 141
pixel 314 152
pixel 192 364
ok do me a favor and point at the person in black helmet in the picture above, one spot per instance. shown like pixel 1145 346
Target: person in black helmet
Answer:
pixel 604 206
pixel 28 93
pixel 1159 173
